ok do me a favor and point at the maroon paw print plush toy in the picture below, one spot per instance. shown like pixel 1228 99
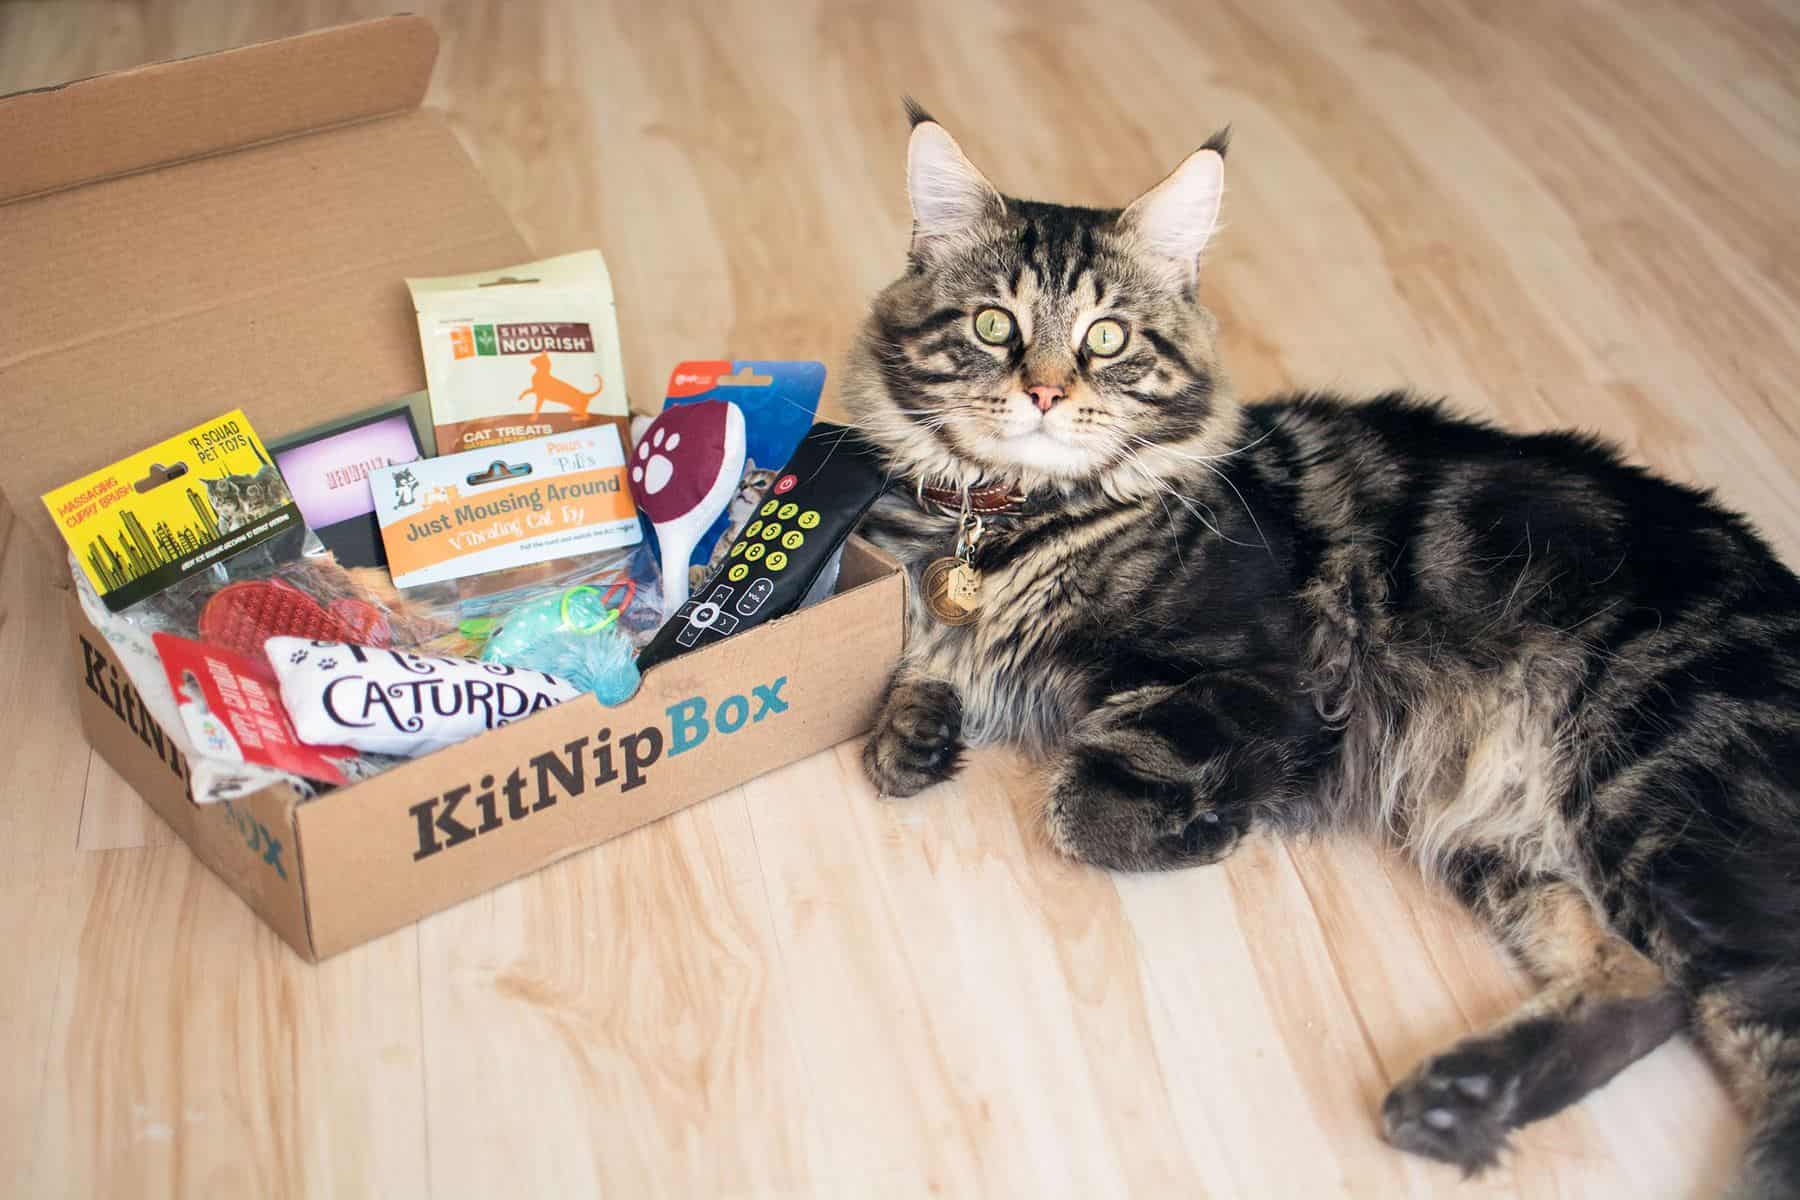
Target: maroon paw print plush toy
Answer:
pixel 683 474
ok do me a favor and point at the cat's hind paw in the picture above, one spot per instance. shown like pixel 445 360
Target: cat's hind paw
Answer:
pixel 1101 810
pixel 1457 1108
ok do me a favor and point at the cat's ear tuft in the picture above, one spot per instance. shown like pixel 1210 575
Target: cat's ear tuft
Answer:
pixel 1175 219
pixel 949 196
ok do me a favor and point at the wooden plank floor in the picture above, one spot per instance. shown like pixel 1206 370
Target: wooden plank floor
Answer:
pixel 1557 212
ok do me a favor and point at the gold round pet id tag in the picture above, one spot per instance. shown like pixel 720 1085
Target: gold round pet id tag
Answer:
pixel 952 586
pixel 952 590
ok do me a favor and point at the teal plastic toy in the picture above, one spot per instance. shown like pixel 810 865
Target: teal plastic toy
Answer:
pixel 573 635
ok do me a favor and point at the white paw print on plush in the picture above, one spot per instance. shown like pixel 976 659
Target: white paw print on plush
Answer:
pixel 683 473
pixel 653 471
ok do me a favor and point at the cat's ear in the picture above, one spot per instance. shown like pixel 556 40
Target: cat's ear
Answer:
pixel 949 196
pixel 1175 219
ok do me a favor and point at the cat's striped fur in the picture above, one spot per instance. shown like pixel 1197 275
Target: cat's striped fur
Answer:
pixel 1570 689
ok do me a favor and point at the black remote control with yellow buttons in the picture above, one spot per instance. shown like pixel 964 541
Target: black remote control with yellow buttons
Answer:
pixel 793 534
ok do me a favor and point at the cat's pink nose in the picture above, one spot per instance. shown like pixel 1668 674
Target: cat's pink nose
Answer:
pixel 1045 396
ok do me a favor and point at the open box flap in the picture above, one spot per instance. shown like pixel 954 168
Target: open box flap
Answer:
pixel 269 276
pixel 161 113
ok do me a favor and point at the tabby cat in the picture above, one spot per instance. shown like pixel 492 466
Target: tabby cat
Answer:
pixel 237 500
pixel 1567 688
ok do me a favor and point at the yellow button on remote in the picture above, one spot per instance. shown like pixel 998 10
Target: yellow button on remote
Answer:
pixel 792 539
pixel 752 529
pixel 770 507
pixel 737 549
pixel 754 552
pixel 809 519
pixel 771 531
pixel 737 573
pixel 777 561
pixel 788 510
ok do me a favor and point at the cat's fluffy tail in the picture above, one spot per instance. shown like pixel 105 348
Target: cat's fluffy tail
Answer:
pixel 1771 1166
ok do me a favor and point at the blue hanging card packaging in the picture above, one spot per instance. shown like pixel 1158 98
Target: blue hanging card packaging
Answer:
pixel 779 400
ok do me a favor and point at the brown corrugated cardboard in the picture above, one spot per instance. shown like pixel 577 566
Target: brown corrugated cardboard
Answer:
pixel 233 231
pixel 333 872
pixel 392 850
pixel 267 277
pixel 127 121
pixel 249 843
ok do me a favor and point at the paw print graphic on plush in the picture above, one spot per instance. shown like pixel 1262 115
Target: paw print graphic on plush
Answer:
pixel 683 474
pixel 548 389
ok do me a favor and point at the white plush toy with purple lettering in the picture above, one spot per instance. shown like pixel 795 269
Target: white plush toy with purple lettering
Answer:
pixel 392 702
pixel 683 474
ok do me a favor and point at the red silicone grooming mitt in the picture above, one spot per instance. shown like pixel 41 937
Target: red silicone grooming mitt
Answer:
pixel 242 616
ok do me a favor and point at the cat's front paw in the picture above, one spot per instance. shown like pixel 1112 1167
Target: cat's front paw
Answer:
pixel 1101 810
pixel 917 740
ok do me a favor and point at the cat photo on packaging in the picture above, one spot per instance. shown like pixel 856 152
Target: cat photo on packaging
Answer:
pixel 1566 688
pixel 173 510
pixel 522 352
pixel 240 499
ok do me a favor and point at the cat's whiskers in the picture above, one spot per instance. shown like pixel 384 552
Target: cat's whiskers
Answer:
pixel 1205 458
pixel 1209 519
pixel 1202 460
pixel 1136 463
pixel 1174 541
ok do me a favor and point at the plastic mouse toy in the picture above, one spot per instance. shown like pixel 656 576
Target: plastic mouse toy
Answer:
pixel 684 472
pixel 573 635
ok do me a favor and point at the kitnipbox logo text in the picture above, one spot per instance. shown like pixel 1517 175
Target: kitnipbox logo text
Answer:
pixel 458 815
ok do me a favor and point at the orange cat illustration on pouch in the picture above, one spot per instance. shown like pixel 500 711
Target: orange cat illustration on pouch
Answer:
pixel 547 388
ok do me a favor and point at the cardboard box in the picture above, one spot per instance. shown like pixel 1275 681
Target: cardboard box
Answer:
pixel 232 231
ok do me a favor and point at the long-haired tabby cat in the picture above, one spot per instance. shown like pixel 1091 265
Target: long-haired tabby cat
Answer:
pixel 237 500
pixel 1569 689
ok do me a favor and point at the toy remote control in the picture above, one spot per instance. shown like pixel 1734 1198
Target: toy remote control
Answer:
pixel 798 527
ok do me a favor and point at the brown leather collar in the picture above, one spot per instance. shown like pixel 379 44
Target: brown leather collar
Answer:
pixel 995 500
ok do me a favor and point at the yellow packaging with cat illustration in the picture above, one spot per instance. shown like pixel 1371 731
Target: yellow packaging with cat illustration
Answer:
pixel 521 352
pixel 171 511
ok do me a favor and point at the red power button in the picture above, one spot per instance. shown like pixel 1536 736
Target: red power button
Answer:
pixel 785 484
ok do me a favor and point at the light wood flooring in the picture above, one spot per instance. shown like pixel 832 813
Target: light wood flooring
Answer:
pixel 1557 213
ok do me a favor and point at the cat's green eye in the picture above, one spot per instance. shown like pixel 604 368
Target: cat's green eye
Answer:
pixel 1106 337
pixel 994 326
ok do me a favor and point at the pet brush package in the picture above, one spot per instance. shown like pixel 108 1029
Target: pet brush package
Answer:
pixel 173 511
pixel 521 352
